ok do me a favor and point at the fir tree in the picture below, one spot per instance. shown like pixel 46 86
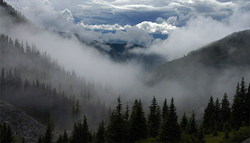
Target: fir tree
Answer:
pixel 81 132
pixel 65 137
pixel 154 118
pixel 192 126
pixel 184 122
pixel 201 135
pixel 48 137
pixel 217 112
pixel 126 119
pixel 225 109
pixel 247 115
pixel 170 131
pixel 138 123
pixel 165 110
pixel 116 127
pixel 60 139
pixel 208 117
pixel 100 135
pixel 237 109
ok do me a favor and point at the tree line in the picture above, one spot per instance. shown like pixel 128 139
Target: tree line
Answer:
pixel 162 124
pixel 31 75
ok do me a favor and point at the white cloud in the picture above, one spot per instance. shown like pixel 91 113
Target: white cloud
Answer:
pixel 150 27
pixel 198 32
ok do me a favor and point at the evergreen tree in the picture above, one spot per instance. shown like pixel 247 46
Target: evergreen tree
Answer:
pixel 247 115
pixel 126 119
pixel 60 139
pixel 208 117
pixel 201 135
pixel 237 109
pixel 184 122
pixel 100 135
pixel 48 137
pixel 192 126
pixel 217 112
pixel 245 104
pixel 138 123
pixel 165 110
pixel 2 82
pixel 116 127
pixel 154 119
pixel 81 132
pixel 65 137
pixel 225 109
pixel 77 111
pixel 170 131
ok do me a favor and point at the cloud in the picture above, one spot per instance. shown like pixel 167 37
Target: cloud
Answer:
pixel 198 32
pixel 151 27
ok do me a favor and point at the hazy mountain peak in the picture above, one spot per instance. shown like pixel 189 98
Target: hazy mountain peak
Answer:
pixel 68 14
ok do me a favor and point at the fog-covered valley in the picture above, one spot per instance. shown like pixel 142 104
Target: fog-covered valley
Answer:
pixel 195 63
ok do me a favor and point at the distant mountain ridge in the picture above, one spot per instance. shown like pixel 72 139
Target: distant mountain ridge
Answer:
pixel 233 51
pixel 120 52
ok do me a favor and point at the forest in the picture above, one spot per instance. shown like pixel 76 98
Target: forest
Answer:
pixel 72 107
pixel 61 110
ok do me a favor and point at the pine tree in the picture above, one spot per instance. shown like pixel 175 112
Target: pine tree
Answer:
pixel 154 119
pixel 100 135
pixel 192 126
pixel 126 119
pixel 60 139
pixel 217 112
pixel 48 137
pixel 237 109
pixel 184 122
pixel 65 137
pixel 2 82
pixel 225 109
pixel 116 127
pixel 208 117
pixel 138 123
pixel 77 111
pixel 245 104
pixel 165 110
pixel 201 135
pixel 247 115
pixel 81 132
pixel 170 131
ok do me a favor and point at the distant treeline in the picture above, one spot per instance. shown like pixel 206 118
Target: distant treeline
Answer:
pixel 10 11
pixel 161 124
pixel 38 85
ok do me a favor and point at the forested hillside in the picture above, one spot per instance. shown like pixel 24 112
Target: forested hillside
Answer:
pixel 37 84
pixel 229 53
pixel 72 105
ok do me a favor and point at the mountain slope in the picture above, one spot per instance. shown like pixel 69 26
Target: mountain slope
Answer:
pixel 21 124
pixel 231 52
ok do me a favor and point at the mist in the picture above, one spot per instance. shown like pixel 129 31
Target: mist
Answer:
pixel 128 80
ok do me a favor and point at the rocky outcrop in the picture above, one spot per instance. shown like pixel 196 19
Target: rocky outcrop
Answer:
pixel 21 124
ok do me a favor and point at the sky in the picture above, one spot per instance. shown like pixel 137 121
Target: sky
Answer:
pixel 135 21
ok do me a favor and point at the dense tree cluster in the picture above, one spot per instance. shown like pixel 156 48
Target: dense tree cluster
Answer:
pixel 223 117
pixel 17 16
pixel 136 127
pixel 44 86
pixel 38 99
pixel 163 126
